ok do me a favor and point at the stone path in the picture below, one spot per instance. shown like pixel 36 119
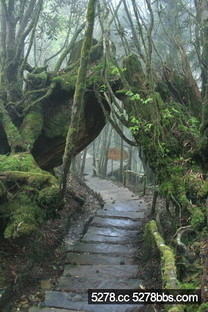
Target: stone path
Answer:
pixel 105 258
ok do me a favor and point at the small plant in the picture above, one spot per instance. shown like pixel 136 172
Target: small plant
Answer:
pixel 135 96
pixel 103 88
pixel 115 70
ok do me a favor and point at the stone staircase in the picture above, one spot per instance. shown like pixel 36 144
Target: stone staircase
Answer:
pixel 106 256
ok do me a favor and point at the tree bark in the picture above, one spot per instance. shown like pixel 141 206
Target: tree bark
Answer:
pixel 77 115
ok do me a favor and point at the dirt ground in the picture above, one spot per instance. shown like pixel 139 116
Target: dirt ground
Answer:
pixel 34 265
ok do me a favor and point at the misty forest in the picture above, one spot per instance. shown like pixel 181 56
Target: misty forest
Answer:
pixel 115 91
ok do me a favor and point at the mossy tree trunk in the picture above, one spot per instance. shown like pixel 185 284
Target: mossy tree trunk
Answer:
pixel 77 115
pixel 34 118
pixel 168 264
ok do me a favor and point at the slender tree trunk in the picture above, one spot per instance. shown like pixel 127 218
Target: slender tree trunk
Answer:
pixel 94 165
pixel 83 161
pixel 77 115
pixel 121 160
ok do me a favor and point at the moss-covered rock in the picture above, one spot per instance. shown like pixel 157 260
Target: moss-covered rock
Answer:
pixel 25 216
pixel 32 195
pixel 32 126
pixel 19 162
pixel 49 198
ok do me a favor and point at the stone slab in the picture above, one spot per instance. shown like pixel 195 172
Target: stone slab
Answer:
pixel 119 223
pixel 92 230
pixel 82 259
pixel 52 310
pixel 131 205
pixel 102 248
pixel 119 214
pixel 99 271
pixel 82 284
pixel 109 239
pixel 64 300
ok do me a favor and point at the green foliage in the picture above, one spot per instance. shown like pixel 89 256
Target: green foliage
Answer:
pixel 138 125
pixel 197 218
pixel 115 70
pixel 136 97
pixel 203 307
pixel 189 285
pixel 103 88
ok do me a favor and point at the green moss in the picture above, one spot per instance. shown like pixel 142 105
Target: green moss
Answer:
pixel 134 73
pixel 202 192
pixel 67 81
pixel 203 307
pixel 38 78
pixel 12 133
pixel 57 125
pixel 24 215
pixel 49 197
pixel 177 308
pixel 19 162
pixel 33 196
pixel 29 208
pixel 189 285
pixel 197 218
pixel 32 126
pixel 39 180
pixel 168 266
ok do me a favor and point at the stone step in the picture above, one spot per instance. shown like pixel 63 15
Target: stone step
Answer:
pixel 130 206
pixel 70 300
pixel 33 309
pixel 119 214
pixel 82 284
pixel 88 238
pixel 102 248
pixel 92 230
pixel 101 271
pixel 82 259
pixel 105 257
pixel 119 223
